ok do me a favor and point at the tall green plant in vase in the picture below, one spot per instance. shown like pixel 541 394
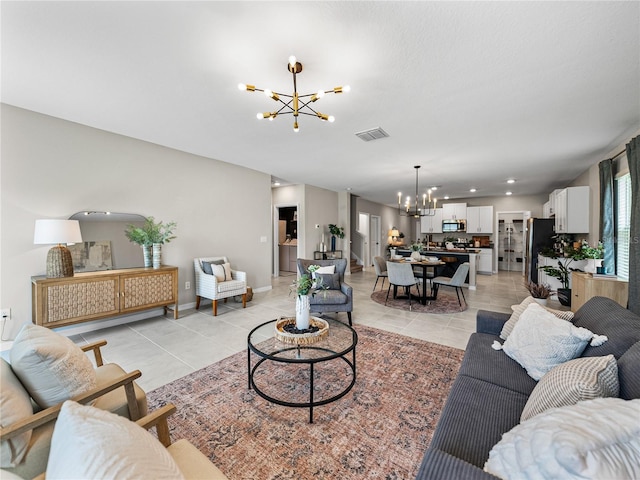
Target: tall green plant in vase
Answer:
pixel 562 272
pixel 335 231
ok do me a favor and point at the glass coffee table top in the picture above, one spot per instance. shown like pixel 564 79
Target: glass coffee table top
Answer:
pixel 340 340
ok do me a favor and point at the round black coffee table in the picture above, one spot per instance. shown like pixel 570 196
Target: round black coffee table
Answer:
pixel 340 341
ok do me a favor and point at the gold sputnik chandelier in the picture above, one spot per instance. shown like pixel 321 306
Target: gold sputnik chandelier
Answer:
pixel 295 103
pixel 428 206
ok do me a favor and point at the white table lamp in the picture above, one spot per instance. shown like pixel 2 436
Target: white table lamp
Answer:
pixel 49 231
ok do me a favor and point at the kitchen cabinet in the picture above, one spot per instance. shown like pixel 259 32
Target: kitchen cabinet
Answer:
pixel 480 219
pixel 552 201
pixel 91 296
pixel 454 211
pixel 572 210
pixel 585 285
pixel 546 210
pixel 485 261
pixel 432 224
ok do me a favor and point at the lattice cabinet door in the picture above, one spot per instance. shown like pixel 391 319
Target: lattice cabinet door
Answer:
pixel 65 302
pixel 147 290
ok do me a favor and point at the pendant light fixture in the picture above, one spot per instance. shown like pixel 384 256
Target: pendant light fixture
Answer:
pixel 295 103
pixel 428 206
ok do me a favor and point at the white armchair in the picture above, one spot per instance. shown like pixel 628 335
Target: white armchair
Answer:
pixel 212 287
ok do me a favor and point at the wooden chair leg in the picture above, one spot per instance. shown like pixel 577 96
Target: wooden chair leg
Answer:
pixel 244 300
pixel 214 304
pixel 197 302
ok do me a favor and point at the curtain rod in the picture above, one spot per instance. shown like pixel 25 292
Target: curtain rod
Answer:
pixel 619 153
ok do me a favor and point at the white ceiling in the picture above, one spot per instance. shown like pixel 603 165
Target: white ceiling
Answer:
pixel 475 92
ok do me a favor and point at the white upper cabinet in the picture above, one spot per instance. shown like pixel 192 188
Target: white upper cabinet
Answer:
pixel 480 219
pixel 432 224
pixel 454 211
pixel 572 210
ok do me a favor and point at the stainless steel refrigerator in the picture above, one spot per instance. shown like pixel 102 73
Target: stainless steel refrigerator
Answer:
pixel 540 232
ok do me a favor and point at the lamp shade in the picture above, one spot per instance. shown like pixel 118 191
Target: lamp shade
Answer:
pixel 51 231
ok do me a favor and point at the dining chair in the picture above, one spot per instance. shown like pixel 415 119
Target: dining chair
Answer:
pixel 401 275
pixel 380 265
pixel 456 281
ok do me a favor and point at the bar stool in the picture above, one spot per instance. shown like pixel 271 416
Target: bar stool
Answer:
pixel 449 269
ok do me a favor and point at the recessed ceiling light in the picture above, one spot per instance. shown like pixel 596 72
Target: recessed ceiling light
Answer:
pixel 276 184
pixel 472 190
pixel 511 180
pixel 434 188
pixel 509 193
pixel 446 197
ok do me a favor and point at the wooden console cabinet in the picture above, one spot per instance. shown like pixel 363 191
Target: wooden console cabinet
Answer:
pixel 90 296
pixel 584 286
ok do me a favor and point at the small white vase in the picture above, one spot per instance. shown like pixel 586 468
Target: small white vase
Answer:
pixel 541 301
pixel 302 312
pixel 146 254
pixel 592 265
pixel 157 255
pixel 416 256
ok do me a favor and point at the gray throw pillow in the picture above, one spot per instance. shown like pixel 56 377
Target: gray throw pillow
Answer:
pixel 330 281
pixel 206 266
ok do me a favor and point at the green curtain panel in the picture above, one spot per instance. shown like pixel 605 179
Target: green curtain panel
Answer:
pixel 633 157
pixel 607 215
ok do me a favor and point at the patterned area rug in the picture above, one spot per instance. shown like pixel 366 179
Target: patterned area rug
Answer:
pixel 446 302
pixel 379 430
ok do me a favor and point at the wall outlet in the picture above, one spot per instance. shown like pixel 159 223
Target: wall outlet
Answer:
pixel 187 285
pixel 5 313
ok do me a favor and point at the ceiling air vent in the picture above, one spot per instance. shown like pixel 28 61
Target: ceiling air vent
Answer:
pixel 372 134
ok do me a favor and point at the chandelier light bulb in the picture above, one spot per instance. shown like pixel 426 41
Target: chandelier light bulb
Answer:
pixel 295 127
pixel 320 93
pixel 260 115
pixel 332 119
pixel 292 60
pixel 242 86
pixel 346 88
pixel 268 93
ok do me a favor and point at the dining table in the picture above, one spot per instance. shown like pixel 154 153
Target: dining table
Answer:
pixel 424 265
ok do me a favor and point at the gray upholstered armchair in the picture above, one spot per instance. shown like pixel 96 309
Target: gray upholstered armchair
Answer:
pixel 332 300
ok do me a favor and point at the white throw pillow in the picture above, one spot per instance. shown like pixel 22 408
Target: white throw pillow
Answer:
pixel 507 328
pixel 91 443
pixel 540 341
pixel 50 366
pixel 222 272
pixel 15 405
pixel 572 382
pixel 594 439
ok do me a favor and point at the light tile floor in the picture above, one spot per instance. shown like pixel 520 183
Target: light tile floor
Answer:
pixel 164 349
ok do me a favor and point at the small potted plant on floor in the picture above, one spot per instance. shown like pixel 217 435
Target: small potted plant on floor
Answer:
pixel 539 291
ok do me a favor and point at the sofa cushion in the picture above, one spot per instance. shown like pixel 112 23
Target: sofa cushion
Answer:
pixel 50 366
pixel 540 341
pixel 116 400
pixel 91 443
pixel 520 308
pixel 328 297
pixel 482 362
pixel 572 382
pixel 629 373
pixel 622 327
pixel 474 418
pixel 439 465
pixel 15 405
pixel 597 439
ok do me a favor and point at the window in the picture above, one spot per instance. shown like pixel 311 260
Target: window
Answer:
pixel 623 224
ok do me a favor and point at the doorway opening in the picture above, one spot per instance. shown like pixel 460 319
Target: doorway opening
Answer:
pixel 286 236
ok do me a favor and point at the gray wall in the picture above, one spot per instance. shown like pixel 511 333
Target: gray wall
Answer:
pixel 52 168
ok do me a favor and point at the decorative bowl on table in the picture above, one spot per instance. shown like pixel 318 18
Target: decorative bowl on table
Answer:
pixel 320 327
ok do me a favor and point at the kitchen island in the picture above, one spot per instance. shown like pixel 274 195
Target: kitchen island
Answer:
pixel 468 255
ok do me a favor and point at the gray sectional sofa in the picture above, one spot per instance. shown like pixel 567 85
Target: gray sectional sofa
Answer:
pixel 491 389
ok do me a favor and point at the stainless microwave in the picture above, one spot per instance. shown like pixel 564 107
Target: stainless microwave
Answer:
pixel 454 226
